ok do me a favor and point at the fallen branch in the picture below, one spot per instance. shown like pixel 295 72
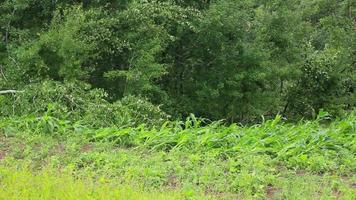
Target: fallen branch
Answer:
pixel 9 92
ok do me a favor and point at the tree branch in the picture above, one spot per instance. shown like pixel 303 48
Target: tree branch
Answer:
pixel 9 92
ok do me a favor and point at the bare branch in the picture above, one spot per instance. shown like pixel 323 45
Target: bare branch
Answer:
pixel 9 92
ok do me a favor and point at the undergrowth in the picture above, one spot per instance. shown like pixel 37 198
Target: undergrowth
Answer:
pixel 225 161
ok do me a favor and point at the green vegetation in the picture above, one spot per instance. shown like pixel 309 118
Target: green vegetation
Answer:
pixel 219 59
pixel 20 184
pixel 183 160
pixel 177 99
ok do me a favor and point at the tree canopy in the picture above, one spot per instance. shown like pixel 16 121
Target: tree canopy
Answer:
pixel 222 59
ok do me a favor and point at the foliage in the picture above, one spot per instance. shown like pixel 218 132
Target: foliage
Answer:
pixel 217 59
pixel 77 101
pixel 22 184
pixel 216 159
pixel 322 85
pixel 92 83
pixel 221 74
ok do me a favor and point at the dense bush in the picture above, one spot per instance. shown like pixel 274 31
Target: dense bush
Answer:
pixel 78 101
pixel 217 59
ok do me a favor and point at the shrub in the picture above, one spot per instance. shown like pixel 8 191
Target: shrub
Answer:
pixel 77 101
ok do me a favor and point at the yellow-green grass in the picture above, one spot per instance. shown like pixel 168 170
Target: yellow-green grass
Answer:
pixel 273 160
pixel 19 184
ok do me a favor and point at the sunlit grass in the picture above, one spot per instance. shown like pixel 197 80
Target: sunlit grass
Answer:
pixel 19 183
pixel 23 184
pixel 180 160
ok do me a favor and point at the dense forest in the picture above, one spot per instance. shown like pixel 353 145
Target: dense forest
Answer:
pixel 224 59
pixel 177 99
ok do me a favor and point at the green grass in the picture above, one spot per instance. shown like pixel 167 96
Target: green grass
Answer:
pixel 22 184
pixel 180 160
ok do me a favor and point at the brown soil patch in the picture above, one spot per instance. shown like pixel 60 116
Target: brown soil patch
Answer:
pixel 86 148
pixel 2 155
pixel 173 182
pixel 337 193
pixel 271 191
pixel 4 148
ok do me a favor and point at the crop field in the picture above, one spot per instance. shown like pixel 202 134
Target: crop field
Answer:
pixel 48 158
pixel 177 99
